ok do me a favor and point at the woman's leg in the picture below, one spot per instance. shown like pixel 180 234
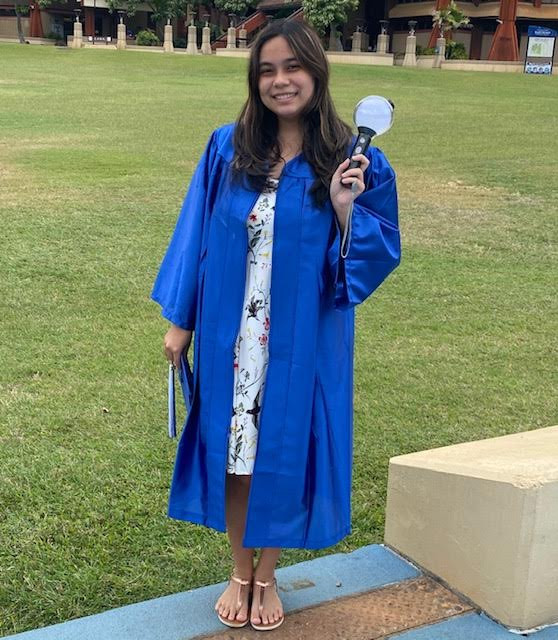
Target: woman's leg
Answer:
pixel 265 571
pixel 237 490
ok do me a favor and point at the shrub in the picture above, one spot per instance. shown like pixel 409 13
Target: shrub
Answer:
pixel 147 38
pixel 455 51
pixel 425 51
pixel 53 35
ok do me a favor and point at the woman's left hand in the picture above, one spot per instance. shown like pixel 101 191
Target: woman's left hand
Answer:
pixel 341 196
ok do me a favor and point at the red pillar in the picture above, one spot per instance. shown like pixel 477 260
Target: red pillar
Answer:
pixel 504 44
pixel 89 26
pixel 35 23
pixel 435 33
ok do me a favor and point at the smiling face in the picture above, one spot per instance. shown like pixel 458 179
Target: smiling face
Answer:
pixel 285 87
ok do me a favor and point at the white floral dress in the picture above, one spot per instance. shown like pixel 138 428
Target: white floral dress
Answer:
pixel 251 346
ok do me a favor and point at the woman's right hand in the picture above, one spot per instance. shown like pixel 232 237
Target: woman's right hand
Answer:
pixel 177 341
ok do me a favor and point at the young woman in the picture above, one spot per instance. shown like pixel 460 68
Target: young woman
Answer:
pixel 255 269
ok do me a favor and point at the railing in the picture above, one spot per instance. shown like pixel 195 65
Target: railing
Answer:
pixel 252 24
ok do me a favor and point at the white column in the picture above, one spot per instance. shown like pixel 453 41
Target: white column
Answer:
pixel 121 36
pixel 192 46
pixel 206 41
pixel 382 44
pixel 440 53
pixel 231 38
pixel 365 41
pixel 242 38
pixel 410 59
pixel 77 41
pixel 334 40
pixel 168 47
pixel 357 42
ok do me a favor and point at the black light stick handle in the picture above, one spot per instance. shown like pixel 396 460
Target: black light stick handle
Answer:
pixel 361 144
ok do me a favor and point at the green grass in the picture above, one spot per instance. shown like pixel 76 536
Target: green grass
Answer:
pixel 96 150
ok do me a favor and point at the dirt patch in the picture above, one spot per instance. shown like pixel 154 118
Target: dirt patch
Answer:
pixel 437 212
pixel 20 187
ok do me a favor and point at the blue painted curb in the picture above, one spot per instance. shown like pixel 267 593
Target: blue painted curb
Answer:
pixel 185 615
pixel 471 626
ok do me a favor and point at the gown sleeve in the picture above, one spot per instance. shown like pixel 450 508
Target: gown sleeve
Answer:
pixel 371 247
pixel 176 284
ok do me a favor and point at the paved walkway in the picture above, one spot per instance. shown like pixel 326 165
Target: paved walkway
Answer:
pixel 369 594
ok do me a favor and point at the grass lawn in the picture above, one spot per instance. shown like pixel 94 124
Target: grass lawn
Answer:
pixel 96 151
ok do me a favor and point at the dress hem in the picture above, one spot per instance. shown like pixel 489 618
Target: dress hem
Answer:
pixel 198 518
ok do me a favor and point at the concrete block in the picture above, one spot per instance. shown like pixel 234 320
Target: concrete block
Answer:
pixel 483 516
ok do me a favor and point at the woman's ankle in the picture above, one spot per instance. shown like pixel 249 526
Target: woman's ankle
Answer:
pixel 245 573
pixel 264 577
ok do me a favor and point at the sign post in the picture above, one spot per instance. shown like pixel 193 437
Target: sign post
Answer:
pixel 540 50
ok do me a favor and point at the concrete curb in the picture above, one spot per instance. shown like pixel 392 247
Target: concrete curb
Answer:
pixel 186 615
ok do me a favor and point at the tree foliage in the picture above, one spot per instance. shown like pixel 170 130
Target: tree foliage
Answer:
pixel 43 4
pixel 160 9
pixel 323 13
pixel 449 18
pixel 240 7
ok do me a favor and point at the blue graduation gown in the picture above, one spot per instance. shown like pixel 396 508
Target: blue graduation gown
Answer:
pixel 300 493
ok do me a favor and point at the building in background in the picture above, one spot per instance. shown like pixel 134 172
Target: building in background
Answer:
pixel 97 20
pixel 498 28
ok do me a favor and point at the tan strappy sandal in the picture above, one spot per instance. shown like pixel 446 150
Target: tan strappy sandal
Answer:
pixel 269 625
pixel 238 623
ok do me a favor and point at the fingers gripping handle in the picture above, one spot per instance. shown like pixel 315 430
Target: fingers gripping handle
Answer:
pixel 361 145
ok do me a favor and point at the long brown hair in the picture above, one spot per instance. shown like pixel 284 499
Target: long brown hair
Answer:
pixel 325 135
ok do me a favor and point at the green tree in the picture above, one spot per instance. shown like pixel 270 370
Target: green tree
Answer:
pixel 322 14
pixel 240 7
pixel 23 10
pixel 20 10
pixel 161 10
pixel 449 19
